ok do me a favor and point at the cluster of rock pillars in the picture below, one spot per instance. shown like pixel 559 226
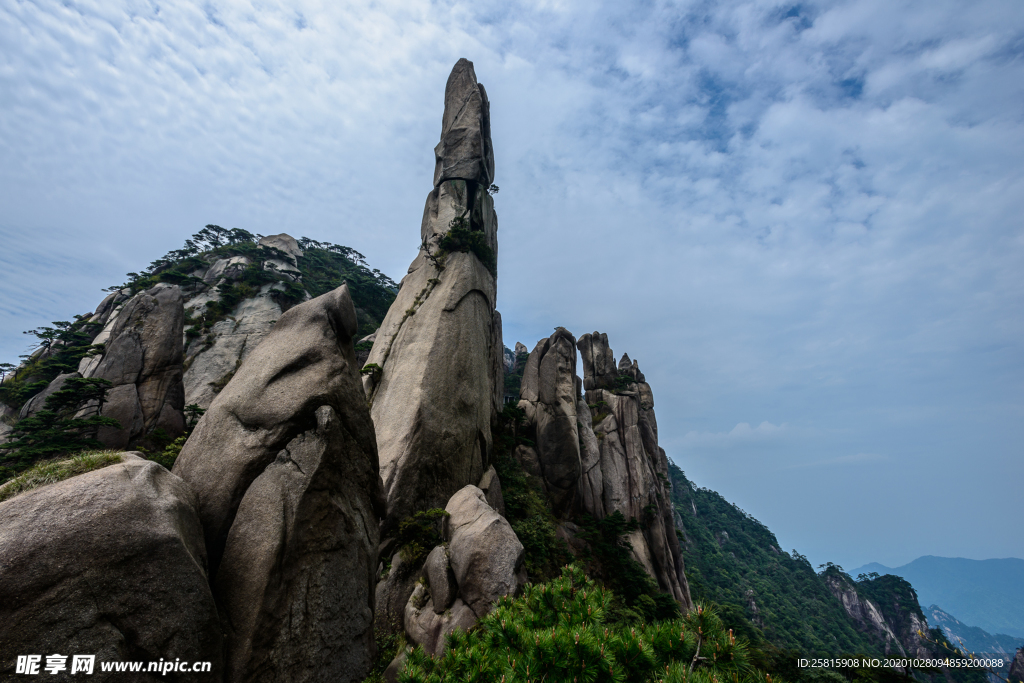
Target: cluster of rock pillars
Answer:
pixel 263 551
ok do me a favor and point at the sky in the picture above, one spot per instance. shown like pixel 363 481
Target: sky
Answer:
pixel 804 220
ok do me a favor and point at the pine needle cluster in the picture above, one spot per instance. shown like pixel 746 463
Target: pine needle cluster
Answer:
pixel 557 631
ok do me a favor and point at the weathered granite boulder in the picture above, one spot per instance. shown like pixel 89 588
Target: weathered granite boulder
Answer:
pixel 484 551
pixel 490 484
pixel 427 627
pixel 438 354
pixel 285 468
pixel 481 563
pixel 548 395
pixel 110 563
pixel 599 368
pixel 297 578
pixel 143 361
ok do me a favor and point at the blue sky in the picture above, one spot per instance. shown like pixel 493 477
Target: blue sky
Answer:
pixel 804 220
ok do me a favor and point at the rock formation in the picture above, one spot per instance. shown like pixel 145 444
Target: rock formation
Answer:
pixel 142 359
pixel 864 613
pixel 600 455
pixel 1016 674
pixel 212 359
pixel 548 395
pixel 480 563
pixel 435 374
pixel 111 563
pixel 285 468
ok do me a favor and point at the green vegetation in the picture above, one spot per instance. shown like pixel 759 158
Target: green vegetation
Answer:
pixel 514 379
pixel 59 350
pixel 769 595
pixel 558 631
pixel 419 534
pixel 52 471
pixel 55 430
pixel 526 509
pixel 611 555
pixel 462 237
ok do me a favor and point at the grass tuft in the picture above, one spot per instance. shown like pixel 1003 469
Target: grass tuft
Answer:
pixel 52 471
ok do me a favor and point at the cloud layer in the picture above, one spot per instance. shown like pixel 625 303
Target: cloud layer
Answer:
pixel 805 215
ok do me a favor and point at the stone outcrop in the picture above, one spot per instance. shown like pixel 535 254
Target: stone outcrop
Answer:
pixel 480 563
pixel 142 359
pixel 865 613
pixel 548 395
pixel 285 468
pixel 1016 674
pixel 435 373
pixel 111 563
pixel 628 472
pixel 599 454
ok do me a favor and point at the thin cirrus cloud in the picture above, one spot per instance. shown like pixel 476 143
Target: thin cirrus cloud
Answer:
pixel 800 216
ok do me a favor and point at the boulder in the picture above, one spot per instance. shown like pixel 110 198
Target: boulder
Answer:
pixel 297 577
pixel 427 627
pixel 111 563
pixel 599 369
pixel 305 362
pixel 440 578
pixel 439 350
pixel 284 465
pixel 490 484
pixel 485 553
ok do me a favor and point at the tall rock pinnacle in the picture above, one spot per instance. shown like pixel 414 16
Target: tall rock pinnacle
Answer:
pixel 435 375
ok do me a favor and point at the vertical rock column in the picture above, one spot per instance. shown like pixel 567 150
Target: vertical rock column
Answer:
pixel 548 396
pixel 622 467
pixel 434 377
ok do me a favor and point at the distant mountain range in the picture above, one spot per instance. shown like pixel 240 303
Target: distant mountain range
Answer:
pixel 988 594
pixel 972 638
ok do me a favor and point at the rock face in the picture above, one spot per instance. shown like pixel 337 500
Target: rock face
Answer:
pixel 548 395
pixel 628 472
pixel 439 378
pixel 284 464
pixel 110 563
pixel 1017 667
pixel 864 612
pixel 143 361
pixel 481 563
pixel 599 454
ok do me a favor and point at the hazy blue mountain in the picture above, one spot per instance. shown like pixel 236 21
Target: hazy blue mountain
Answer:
pixel 972 638
pixel 988 594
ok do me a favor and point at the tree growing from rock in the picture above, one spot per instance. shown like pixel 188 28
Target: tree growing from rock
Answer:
pixel 57 429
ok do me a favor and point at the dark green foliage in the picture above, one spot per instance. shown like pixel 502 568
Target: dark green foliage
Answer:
pixel 462 237
pixel 54 430
pixel 558 632
pixel 325 267
pixel 795 609
pixel 419 534
pixel 525 508
pixel 614 563
pixel 60 349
